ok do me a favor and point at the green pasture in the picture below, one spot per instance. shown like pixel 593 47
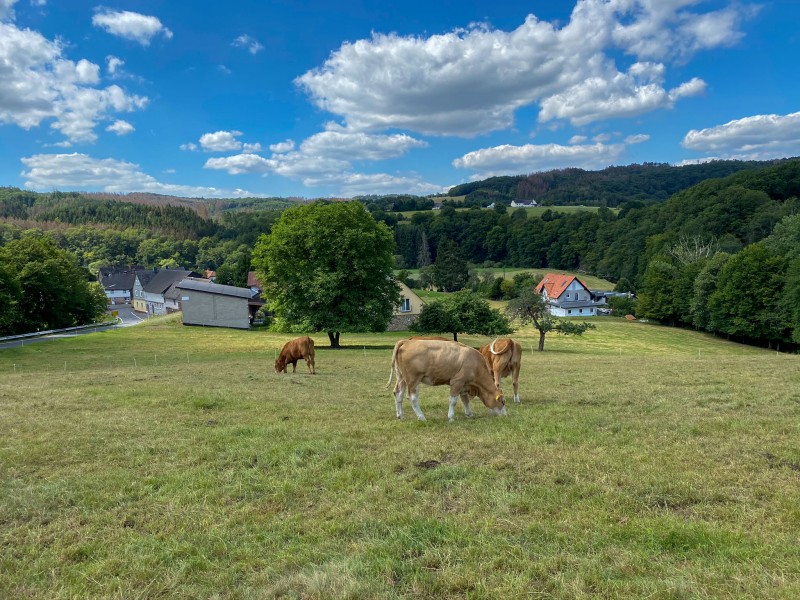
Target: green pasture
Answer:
pixel 594 283
pixel 163 461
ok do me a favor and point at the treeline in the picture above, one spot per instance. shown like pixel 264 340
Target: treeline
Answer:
pixel 612 187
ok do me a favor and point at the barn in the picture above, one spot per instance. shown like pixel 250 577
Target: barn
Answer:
pixel 206 303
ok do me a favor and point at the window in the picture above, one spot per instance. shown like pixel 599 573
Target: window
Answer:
pixel 567 295
pixel 405 306
pixel 569 312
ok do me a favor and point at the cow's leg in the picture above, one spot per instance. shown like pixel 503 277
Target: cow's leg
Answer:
pixel 415 403
pixel 515 382
pixel 465 402
pixel 294 366
pixel 451 413
pixel 310 364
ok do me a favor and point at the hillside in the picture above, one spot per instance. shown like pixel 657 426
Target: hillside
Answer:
pixel 173 462
pixel 613 186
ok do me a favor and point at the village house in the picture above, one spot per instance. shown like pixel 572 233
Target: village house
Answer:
pixel 568 296
pixel 408 310
pixel 117 283
pixel 153 291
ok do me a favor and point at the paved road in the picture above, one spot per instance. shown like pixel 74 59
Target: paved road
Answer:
pixel 125 312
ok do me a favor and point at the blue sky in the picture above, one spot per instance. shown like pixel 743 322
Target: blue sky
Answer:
pixel 316 99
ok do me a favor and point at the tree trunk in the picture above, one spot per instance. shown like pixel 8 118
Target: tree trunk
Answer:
pixel 455 337
pixel 333 336
pixel 541 341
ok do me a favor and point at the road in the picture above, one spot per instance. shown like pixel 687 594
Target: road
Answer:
pixel 125 312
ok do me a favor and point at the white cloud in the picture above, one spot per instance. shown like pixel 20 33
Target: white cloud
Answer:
pixel 130 25
pixel 245 41
pixel 239 164
pixel 84 173
pixel 221 141
pixel 356 184
pixel 513 160
pixel 120 127
pixel 190 147
pixel 113 64
pixel 616 95
pixel 758 137
pixel 637 138
pixel 251 148
pixel 354 145
pixel 472 81
pixel 38 84
pixel 7 9
pixel 282 147
pixel 577 139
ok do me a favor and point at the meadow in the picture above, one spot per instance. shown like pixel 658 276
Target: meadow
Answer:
pixel 163 461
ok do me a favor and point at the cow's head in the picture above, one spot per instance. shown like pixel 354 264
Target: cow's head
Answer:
pixel 498 407
pixel 280 365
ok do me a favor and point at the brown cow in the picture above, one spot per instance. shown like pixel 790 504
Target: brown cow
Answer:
pixel 293 351
pixel 504 357
pixel 437 362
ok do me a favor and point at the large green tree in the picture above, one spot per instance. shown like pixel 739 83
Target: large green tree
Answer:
pixel 328 267
pixel 461 312
pixel 55 290
pixel 450 272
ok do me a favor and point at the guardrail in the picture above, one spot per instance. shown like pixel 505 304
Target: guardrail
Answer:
pixel 24 336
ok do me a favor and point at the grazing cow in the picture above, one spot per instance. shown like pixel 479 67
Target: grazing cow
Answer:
pixel 504 356
pixel 293 351
pixel 437 362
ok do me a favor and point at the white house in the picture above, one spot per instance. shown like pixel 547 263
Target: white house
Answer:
pixel 568 296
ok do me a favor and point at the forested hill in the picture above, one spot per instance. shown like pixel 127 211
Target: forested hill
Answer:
pixel 76 209
pixel 613 186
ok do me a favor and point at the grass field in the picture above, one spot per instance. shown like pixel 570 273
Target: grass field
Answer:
pixel 161 461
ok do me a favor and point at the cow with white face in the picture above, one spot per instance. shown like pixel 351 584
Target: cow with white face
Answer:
pixel 504 357
pixel 438 362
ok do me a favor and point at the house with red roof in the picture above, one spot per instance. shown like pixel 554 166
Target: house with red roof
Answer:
pixel 568 296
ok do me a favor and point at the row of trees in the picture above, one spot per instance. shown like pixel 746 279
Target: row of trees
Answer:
pixel 43 287
pixel 752 295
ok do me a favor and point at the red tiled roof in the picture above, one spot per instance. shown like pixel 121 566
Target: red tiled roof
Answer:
pixel 555 284
pixel 252 281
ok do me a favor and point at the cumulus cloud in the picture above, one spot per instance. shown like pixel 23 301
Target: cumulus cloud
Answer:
pixel 239 164
pixel 120 127
pixel 252 45
pixel 472 81
pixel 113 64
pixel 221 141
pixel 282 147
pixel 189 147
pixel 251 148
pixel 37 83
pixel 759 137
pixel 84 173
pixel 511 160
pixel 7 9
pixel 130 25
pixel 325 159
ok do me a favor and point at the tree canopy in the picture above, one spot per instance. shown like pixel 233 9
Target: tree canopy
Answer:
pixel 328 267
pixel 43 287
pixel 461 312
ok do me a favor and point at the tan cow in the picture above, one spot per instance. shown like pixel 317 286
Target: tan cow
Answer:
pixel 437 362
pixel 504 357
pixel 293 351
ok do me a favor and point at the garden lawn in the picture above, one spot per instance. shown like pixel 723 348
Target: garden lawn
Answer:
pixel 169 461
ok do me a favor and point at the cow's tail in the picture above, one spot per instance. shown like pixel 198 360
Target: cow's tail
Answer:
pixel 393 369
pixel 505 349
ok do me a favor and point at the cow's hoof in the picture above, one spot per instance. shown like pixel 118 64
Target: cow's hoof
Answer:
pixel 516 400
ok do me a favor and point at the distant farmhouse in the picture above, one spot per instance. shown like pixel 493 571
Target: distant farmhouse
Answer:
pixel 524 204
pixel 408 311
pixel 568 296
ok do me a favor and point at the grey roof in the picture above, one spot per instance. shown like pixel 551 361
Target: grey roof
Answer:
pixel 165 278
pixel 117 279
pixel 145 276
pixel 203 285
